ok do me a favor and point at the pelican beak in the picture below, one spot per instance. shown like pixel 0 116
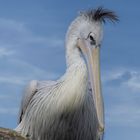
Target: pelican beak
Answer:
pixel 92 55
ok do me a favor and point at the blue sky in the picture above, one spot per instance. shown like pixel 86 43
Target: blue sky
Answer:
pixel 32 37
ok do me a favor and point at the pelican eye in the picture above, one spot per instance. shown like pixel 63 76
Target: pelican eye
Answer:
pixel 92 40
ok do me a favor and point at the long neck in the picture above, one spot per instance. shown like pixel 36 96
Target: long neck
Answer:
pixel 73 55
pixel 75 61
pixel 75 79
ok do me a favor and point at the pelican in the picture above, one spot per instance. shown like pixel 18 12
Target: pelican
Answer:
pixel 70 108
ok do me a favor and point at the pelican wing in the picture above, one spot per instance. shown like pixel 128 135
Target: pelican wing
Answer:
pixel 30 91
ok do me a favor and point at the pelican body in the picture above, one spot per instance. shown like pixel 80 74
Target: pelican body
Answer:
pixel 70 108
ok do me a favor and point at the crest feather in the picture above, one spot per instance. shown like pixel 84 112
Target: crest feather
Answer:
pixel 100 14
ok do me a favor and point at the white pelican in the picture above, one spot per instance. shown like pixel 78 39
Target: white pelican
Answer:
pixel 70 108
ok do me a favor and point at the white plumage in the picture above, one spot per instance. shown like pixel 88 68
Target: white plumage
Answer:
pixel 70 108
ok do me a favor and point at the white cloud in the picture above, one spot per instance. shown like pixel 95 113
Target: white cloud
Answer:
pixel 6 52
pixel 11 25
pixel 5 97
pixel 124 115
pixel 126 77
pixel 113 74
pixel 14 36
pixel 8 111
pixel 15 33
pixel 12 80
pixel 134 82
pixel 121 91
pixel 23 73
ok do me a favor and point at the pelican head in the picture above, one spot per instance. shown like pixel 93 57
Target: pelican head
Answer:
pixel 84 39
pixel 87 26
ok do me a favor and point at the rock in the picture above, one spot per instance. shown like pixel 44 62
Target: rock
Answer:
pixel 9 134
